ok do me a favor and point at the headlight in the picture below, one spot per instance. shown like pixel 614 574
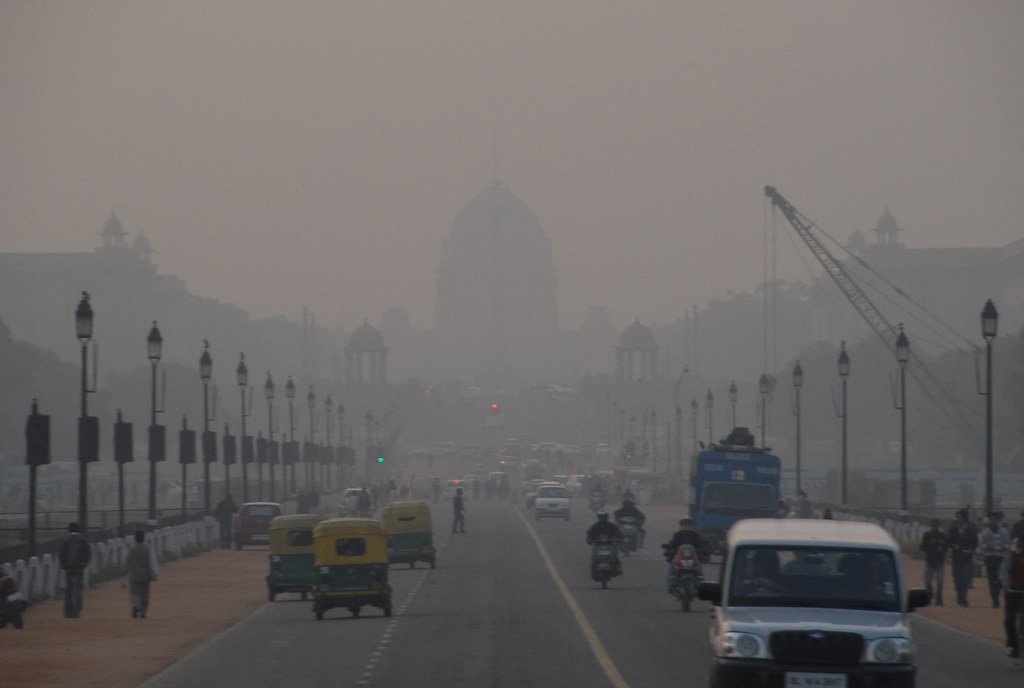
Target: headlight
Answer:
pixel 889 651
pixel 746 645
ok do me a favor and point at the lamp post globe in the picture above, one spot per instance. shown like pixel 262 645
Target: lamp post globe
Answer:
pixel 268 394
pixel 734 395
pixel 154 343
pixel 84 319
pixel 242 378
pixel 205 372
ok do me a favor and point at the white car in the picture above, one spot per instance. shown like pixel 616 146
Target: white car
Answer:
pixel 552 500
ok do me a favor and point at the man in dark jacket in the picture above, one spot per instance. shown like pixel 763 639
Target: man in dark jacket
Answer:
pixel 629 510
pixel 1011 575
pixel 74 556
pixel 459 509
pixel 963 541
pixel 934 544
pixel 686 535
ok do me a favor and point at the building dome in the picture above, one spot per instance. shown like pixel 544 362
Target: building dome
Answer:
pixel 496 210
pixel 637 336
pixel 113 227
pixel 366 336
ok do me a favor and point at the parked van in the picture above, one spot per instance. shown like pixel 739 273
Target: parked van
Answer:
pixel 811 603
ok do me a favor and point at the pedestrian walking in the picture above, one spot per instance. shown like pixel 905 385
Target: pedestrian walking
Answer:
pixel 803 505
pixel 459 505
pixel 935 544
pixel 74 556
pixel 141 572
pixel 12 604
pixel 994 545
pixel 1011 576
pixel 963 542
pixel 225 514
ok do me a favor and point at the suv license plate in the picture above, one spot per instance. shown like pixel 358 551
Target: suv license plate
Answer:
pixel 795 679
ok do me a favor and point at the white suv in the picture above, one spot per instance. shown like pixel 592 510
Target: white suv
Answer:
pixel 552 500
pixel 811 603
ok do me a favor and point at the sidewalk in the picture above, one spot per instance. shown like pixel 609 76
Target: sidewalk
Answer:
pixel 195 598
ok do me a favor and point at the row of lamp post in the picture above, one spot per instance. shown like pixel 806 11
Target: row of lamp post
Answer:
pixel 88 426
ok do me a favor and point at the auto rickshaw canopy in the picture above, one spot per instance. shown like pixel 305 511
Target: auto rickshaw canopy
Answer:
pixel 293 533
pixel 348 541
pixel 406 517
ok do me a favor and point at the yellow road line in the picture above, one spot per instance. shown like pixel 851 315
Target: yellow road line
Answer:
pixel 601 654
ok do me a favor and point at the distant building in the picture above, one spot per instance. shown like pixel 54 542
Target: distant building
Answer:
pixel 496 303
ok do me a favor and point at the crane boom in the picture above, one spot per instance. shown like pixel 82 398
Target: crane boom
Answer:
pixel 879 325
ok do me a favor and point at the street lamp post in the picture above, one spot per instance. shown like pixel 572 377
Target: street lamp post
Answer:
pixel 242 377
pixel 289 390
pixel 693 421
pixel 733 396
pixel 154 349
pixel 86 441
pixel 679 421
pixel 798 382
pixel 844 373
pixel 902 356
pixel 311 404
pixel 762 387
pixel 709 400
pixel 326 465
pixel 205 372
pixel 268 393
pixel 989 327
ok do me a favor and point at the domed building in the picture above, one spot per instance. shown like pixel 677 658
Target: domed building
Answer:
pixel 496 302
pixel 366 357
pixel 636 356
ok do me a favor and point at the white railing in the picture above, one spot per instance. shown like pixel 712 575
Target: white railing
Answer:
pixel 41 578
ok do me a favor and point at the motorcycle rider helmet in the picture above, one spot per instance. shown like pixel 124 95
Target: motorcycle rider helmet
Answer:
pixel 602 515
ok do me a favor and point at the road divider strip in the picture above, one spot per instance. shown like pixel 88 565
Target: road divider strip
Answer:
pixel 604 660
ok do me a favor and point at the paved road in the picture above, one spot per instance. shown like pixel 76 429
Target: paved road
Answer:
pixel 511 604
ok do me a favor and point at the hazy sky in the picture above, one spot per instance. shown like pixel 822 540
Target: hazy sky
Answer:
pixel 289 154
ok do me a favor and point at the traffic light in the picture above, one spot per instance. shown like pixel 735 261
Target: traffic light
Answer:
pixel 380 454
pixel 630 451
pixel 495 407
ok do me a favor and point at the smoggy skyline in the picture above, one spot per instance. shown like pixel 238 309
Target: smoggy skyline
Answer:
pixel 282 155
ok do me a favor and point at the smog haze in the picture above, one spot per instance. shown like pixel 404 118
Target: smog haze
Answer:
pixel 285 155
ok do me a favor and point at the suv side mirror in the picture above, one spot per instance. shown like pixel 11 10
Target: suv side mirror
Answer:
pixel 710 592
pixel 917 597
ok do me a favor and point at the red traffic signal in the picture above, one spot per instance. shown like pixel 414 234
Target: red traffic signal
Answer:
pixel 495 407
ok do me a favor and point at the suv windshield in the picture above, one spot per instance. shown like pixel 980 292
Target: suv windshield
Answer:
pixel 842 578
pixel 739 496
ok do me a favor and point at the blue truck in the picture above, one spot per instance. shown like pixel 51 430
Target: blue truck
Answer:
pixel 731 481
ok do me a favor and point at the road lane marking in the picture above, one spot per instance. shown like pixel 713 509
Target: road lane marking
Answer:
pixel 604 660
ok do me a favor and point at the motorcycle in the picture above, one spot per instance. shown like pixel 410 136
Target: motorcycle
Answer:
pixel 687 574
pixel 604 561
pixel 630 534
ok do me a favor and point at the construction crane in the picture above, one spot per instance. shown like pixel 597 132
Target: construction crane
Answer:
pixel 886 332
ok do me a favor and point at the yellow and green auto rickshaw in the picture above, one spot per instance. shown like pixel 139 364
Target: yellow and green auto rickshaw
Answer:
pixel 291 555
pixel 351 558
pixel 410 537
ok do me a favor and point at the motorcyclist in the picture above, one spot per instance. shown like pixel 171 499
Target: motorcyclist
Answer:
pixel 597 497
pixel 628 494
pixel 686 535
pixel 604 528
pixel 630 510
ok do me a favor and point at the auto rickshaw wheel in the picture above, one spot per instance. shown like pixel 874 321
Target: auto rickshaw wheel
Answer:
pixel 354 610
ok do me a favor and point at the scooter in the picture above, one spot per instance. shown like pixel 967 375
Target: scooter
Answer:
pixel 687 574
pixel 604 561
pixel 630 530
